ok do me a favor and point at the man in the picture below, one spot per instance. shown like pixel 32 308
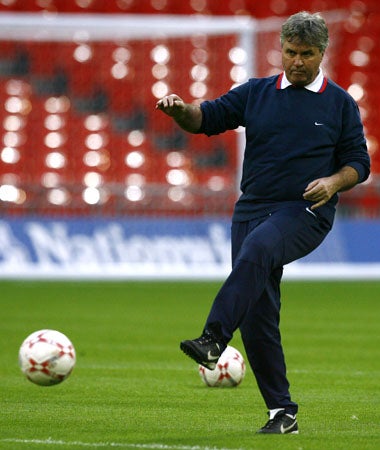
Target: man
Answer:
pixel 304 144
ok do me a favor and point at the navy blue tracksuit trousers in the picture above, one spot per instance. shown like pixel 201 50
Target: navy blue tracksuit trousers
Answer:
pixel 250 297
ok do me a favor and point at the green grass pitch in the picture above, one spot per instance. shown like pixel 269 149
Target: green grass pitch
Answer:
pixel 132 388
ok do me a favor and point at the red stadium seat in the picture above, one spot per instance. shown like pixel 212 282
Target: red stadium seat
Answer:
pixel 127 98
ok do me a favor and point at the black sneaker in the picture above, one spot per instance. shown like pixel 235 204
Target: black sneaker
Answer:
pixel 205 350
pixel 281 423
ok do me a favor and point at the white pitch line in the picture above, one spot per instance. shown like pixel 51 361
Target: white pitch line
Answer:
pixel 153 446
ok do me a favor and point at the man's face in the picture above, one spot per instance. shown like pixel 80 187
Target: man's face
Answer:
pixel 301 62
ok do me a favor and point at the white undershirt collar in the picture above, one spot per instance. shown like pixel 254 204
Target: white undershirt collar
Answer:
pixel 314 86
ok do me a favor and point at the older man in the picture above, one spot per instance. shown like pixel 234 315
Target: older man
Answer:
pixel 304 144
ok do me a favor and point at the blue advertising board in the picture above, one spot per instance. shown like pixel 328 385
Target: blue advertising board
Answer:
pixel 165 248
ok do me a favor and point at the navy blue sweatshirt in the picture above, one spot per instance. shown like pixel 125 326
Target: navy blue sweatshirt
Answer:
pixel 293 136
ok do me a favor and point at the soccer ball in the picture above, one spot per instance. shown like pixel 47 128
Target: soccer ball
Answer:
pixel 229 370
pixel 46 357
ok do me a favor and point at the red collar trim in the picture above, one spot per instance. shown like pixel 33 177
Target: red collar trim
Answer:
pixel 323 87
pixel 279 79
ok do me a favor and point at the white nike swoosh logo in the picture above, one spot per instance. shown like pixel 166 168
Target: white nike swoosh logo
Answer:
pixel 310 212
pixel 318 124
pixel 212 357
pixel 285 430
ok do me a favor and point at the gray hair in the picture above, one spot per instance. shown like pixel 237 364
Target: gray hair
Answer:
pixel 310 29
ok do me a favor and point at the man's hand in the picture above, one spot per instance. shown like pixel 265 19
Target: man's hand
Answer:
pixel 322 189
pixel 187 116
pixel 172 105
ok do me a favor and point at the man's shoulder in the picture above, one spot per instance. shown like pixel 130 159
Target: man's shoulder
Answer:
pixel 335 87
pixel 256 84
pixel 271 80
pixel 339 92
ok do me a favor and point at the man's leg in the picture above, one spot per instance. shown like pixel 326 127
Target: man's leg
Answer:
pixel 271 242
pixel 282 237
pixel 262 342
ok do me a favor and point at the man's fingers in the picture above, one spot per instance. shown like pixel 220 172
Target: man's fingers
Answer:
pixel 168 101
pixel 163 103
pixel 317 205
pixel 311 185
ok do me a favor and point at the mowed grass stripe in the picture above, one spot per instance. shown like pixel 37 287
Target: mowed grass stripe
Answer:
pixel 108 445
pixel 133 386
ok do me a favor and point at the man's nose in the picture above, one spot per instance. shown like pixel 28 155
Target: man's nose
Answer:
pixel 298 61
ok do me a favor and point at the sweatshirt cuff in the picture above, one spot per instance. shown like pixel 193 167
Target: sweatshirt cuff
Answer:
pixel 360 169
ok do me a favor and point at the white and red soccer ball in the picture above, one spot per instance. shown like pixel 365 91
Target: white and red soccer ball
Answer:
pixel 229 370
pixel 47 357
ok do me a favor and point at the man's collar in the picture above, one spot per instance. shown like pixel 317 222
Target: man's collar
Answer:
pixel 318 85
